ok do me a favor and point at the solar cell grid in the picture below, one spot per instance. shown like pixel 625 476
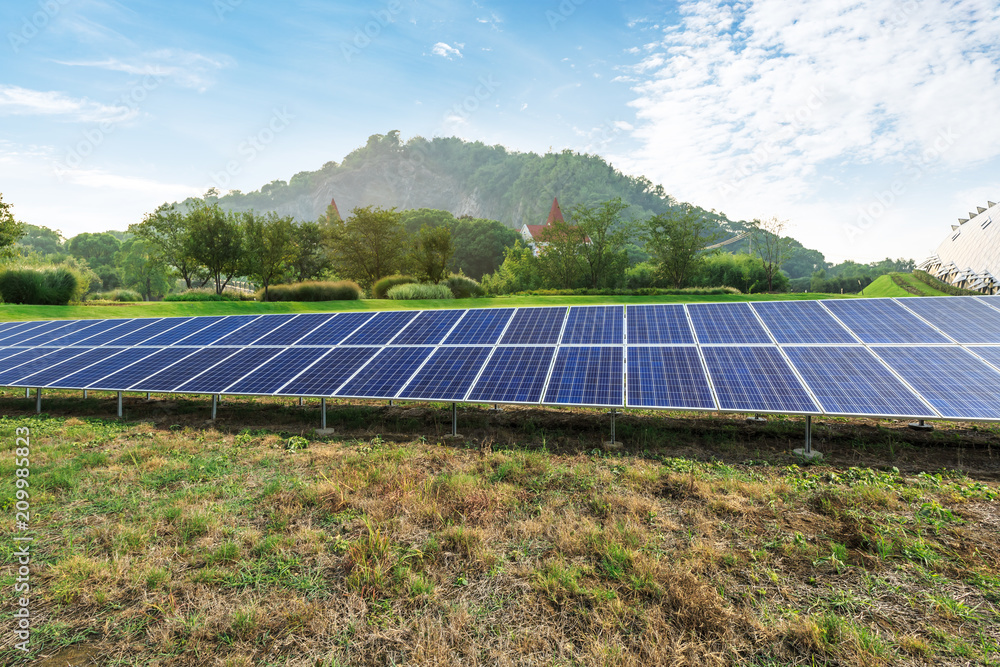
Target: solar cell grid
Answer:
pixel 123 329
pixel 152 330
pixel 217 330
pixel 587 376
pixel 14 328
pixel 963 318
pixel 882 321
pixel 668 377
pixel 954 381
pixel 447 375
pixel 294 330
pixel 380 329
pixel 323 377
pixel 801 322
pixel 756 379
pixel 172 335
pixel 82 336
pixel 534 326
pixel 990 354
pixel 31 361
pixel 88 375
pixel 594 325
pixel 72 331
pixel 658 324
pixel 122 376
pixel 218 378
pixel 87 356
pixel 852 381
pixel 726 323
pixel 10 352
pixel 386 374
pixel 277 372
pixel 480 326
pixel 335 330
pixel 513 375
pixel 42 332
pixel 246 335
pixel 428 328
pixel 193 365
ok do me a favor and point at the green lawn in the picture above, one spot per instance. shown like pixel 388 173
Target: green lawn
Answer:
pixel 884 286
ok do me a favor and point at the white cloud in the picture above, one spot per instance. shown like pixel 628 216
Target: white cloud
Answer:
pixel 17 101
pixel 445 50
pixel 153 190
pixel 187 69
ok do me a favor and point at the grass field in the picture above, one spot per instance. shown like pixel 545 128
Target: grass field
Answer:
pixel 165 539
pixel 884 286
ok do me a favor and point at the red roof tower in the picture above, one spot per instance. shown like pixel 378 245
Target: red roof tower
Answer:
pixel 555 213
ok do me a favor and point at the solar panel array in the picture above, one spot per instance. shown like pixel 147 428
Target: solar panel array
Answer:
pixel 927 358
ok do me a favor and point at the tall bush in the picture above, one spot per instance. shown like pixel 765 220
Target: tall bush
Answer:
pixel 420 291
pixel 464 287
pixel 53 286
pixel 385 284
pixel 343 290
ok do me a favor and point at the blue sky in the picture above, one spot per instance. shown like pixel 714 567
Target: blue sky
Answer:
pixel 869 126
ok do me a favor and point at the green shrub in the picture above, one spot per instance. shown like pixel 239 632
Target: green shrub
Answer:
pixel 464 287
pixel 382 287
pixel 643 291
pixel 205 295
pixel 420 291
pixel 941 285
pixel 343 290
pixel 52 286
pixel 125 295
pixel 641 276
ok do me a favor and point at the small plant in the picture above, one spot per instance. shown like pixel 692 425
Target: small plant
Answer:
pixel 295 443
pixel 343 290
pixel 205 295
pixel 420 291
pixel 382 286
pixel 464 287
pixel 122 295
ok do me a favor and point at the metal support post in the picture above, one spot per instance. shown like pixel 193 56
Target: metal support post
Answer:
pixel 920 426
pixel 300 401
pixel 85 393
pixel 322 412
pixel 390 403
pixel 454 419
pixel 809 435
pixel 215 405
pixel 119 405
pixel 27 392
pixel 613 413
pixel 147 395
pixel 38 399
pixel 807 452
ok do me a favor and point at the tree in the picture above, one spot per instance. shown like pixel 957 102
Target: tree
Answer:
pixel 675 240
pixel 769 245
pixel 98 250
pixel 519 272
pixel 41 240
pixel 168 232
pixel 559 259
pixel 480 246
pixel 10 230
pixel 143 269
pixel 369 245
pixel 605 235
pixel 216 242
pixel 309 258
pixel 432 251
pixel 267 246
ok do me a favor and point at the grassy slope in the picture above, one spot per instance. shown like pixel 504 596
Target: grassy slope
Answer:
pixel 525 544
pixel 884 286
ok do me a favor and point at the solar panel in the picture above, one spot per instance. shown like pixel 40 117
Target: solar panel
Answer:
pixel 8 333
pixel 32 361
pixel 294 330
pixel 852 381
pixel 259 328
pixel 54 337
pixel 953 381
pixel 726 323
pixel 86 357
pixel 594 325
pixel 990 354
pixel 323 377
pixel 668 377
pixel 124 377
pixel 587 376
pixel 82 337
pixel 175 333
pixel 882 321
pixel 659 324
pixel 447 375
pixel 335 330
pixel 534 326
pixel 23 356
pixel 128 327
pixel 381 329
pixel 152 330
pixel 183 370
pixel 756 379
pixel 428 328
pixel 276 373
pixel 480 326
pixel 801 322
pixel 10 352
pixel 217 330
pixel 43 332
pixel 963 318
pixel 88 375
pixel 386 374
pixel 513 375
pixel 217 379
pixel 7 328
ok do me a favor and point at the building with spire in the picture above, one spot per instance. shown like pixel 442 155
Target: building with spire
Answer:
pixel 532 233
pixel 970 256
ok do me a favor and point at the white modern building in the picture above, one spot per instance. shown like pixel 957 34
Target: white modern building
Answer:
pixel 970 256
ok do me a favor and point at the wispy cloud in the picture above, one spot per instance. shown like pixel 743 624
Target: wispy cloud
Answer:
pixel 17 101
pixel 187 69
pixel 445 50
pixel 103 180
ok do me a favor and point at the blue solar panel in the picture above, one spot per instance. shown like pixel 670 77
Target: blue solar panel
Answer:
pixel 294 330
pixel 257 329
pixel 594 325
pixel 123 329
pixel 147 332
pixel 587 376
pixel 7 328
pixel 86 376
pixel 481 326
pixel 31 361
pixel 658 324
pixel 44 332
pixel 755 379
pixel 9 333
pixel 87 357
pixel 386 374
pixel 852 381
pixel 120 377
pixel 668 377
pixel 428 328
pixel 10 352
pixel 953 381
pixel 380 329
pixel 882 321
pixel 82 336
pixel 513 375
pixel 217 330
pixel 323 377
pixel 173 334
pixel 447 375
pixel 534 326
pixel 801 322
pixel 964 318
pixel 726 323
pixel 274 374
pixel 55 337
pixel 990 354
pixel 217 379
pixel 183 370
pixel 334 331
